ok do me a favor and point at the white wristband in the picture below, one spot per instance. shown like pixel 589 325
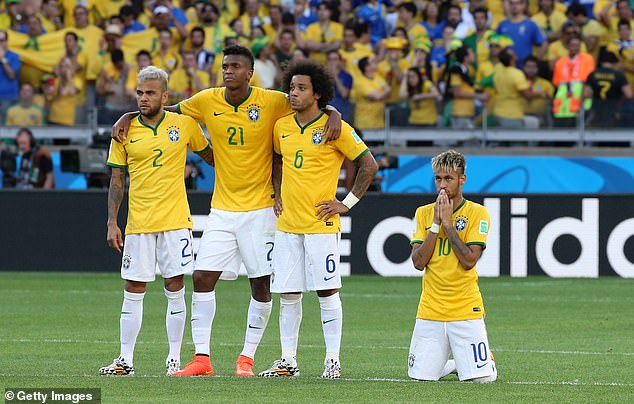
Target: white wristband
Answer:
pixel 350 200
pixel 435 228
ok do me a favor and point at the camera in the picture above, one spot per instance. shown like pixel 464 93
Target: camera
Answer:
pixel 8 165
pixel 87 159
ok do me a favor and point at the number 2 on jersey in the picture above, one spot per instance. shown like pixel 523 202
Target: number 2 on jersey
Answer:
pixel 155 163
pixel 232 133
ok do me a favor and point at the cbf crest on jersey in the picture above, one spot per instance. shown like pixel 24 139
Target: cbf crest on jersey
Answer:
pixel 317 135
pixel 173 134
pixel 253 111
pixel 461 223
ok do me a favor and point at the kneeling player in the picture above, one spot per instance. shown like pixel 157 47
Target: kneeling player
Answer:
pixel 450 237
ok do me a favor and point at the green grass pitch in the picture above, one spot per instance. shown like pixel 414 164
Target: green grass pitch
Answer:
pixel 554 340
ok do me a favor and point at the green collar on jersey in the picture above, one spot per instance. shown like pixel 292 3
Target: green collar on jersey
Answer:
pixel 157 124
pixel 309 123
pixel 235 107
pixel 459 206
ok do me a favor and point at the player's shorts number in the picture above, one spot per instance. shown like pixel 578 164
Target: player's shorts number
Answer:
pixel 299 159
pixel 232 133
pixel 331 266
pixel 155 163
pixel 185 253
pixel 268 254
pixel 480 353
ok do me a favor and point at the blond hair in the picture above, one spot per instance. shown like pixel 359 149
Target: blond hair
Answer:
pixel 152 73
pixel 449 160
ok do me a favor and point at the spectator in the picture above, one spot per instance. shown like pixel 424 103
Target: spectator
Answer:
pixel 215 31
pixel 66 95
pixel 323 35
pixel 31 74
pixel 187 80
pixel 479 40
pixel 91 41
pixel 264 65
pixel 623 12
pixel 166 57
pixel 163 19
pixel 407 16
pixel 524 32
pixel 392 69
pixel 130 23
pixel 352 51
pixel 625 49
pixel 420 59
pixel 441 54
pixel 454 19
pixel 9 19
pixel 373 12
pixel 432 22
pixel 275 25
pixel 51 16
pixel 591 30
pixel 284 45
pixel 111 86
pixel 558 48
pixel 26 113
pixel 569 75
pixel 253 17
pixel 421 95
pixel 536 110
pixel 9 74
pixel 113 36
pixel 510 86
pixel 370 93
pixel 204 57
pixel 304 16
pixel 35 169
pixel 608 88
pixel 343 85
pixel 460 90
pixel 549 20
pixel 143 60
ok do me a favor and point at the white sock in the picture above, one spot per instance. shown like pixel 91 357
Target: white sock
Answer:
pixel 290 320
pixel 257 319
pixel 331 322
pixel 203 312
pixel 130 323
pixel 450 367
pixel 175 322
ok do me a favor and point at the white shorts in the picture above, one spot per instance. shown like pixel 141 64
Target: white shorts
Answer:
pixel 234 238
pixel 433 341
pixel 169 253
pixel 305 262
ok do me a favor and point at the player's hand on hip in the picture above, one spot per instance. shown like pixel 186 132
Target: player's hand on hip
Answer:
pixel 120 128
pixel 327 209
pixel 114 238
pixel 332 129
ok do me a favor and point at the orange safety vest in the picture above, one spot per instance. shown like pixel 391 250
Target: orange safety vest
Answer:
pixel 568 77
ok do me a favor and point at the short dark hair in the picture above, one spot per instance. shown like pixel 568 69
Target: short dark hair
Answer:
pixel 462 53
pixel 624 22
pixel 320 77
pixel 576 9
pixel 143 52
pixel 363 63
pixel 126 11
pixel 197 29
pixel 116 56
pixel 482 10
pixel 531 58
pixel 288 18
pixel 73 34
pixel 411 7
pixel 240 50
pixel 505 57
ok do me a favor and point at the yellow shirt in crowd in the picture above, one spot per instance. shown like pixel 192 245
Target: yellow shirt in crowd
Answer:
pixel 509 103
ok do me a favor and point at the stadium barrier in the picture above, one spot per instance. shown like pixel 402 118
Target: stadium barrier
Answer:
pixel 553 235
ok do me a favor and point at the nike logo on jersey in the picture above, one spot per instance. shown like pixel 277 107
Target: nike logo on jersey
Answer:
pixel 328 321
pixel 176 312
pixel 285 136
pixel 254 327
pixel 327 279
pixel 218 113
pixel 126 312
pixel 134 140
pixel 481 366
pixel 185 263
pixel 427 228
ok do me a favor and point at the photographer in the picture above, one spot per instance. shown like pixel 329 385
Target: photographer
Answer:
pixel 35 169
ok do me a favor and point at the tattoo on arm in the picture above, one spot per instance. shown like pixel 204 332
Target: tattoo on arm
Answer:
pixel 464 252
pixel 365 175
pixel 115 193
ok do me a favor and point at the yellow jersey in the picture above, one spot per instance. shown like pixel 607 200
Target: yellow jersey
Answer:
pixel 352 57
pixel 156 158
pixel 385 70
pixel 509 103
pixel 423 112
pixel 18 115
pixel 316 33
pixel 242 137
pixel 310 171
pixel 180 83
pixel 369 114
pixel 451 293
pixel 462 107
pixel 539 106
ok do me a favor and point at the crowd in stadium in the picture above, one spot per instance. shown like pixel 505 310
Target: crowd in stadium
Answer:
pixel 527 63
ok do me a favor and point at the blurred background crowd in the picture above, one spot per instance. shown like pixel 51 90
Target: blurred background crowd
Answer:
pixel 429 63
